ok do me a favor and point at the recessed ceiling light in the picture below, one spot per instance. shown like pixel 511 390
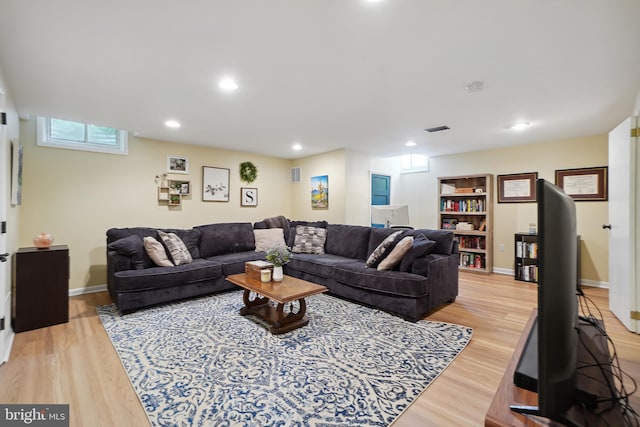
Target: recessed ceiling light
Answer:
pixel 172 124
pixel 520 125
pixel 475 87
pixel 297 147
pixel 228 84
pixel 410 144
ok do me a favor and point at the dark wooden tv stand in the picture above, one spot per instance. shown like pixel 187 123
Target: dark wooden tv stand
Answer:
pixel 499 414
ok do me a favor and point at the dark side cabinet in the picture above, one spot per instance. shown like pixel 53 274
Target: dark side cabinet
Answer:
pixel 40 288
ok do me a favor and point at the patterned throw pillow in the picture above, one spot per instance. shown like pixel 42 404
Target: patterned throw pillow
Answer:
pixel 395 256
pixel 177 249
pixel 383 249
pixel 309 240
pixel 156 252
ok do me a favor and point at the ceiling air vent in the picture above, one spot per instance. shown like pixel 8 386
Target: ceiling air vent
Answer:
pixel 295 175
pixel 437 129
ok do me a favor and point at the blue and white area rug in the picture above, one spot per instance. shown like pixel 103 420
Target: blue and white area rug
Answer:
pixel 199 362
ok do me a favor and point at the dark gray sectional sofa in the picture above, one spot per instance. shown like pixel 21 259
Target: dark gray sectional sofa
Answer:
pixel 219 250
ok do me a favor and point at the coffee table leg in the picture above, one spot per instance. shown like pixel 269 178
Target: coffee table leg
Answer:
pixel 291 316
pixel 258 300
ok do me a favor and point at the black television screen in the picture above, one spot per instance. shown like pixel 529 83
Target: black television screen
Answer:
pixel 557 322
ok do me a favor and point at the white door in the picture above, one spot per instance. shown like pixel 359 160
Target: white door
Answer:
pixel 622 220
pixel 4 258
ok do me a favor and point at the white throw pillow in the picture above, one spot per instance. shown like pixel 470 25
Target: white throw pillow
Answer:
pixel 156 252
pixel 268 238
pixel 396 254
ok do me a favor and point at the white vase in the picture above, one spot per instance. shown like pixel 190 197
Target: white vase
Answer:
pixel 277 273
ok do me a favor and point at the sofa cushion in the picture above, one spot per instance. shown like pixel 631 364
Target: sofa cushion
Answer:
pixel 176 249
pixel 268 238
pixel 225 238
pixel 317 265
pixel 234 263
pixel 396 254
pixel 383 249
pixel 443 238
pixel 309 240
pixel 357 275
pixel 421 246
pixel 156 278
pixel 157 252
pixel 133 247
pixel 293 224
pixel 349 241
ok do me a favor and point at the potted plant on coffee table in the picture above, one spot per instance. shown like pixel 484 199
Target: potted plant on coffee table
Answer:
pixel 278 256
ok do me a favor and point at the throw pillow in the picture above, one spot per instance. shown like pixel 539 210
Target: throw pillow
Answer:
pixel 396 254
pixel 383 249
pixel 268 238
pixel 421 246
pixel 131 246
pixel 309 240
pixel 177 249
pixel 156 252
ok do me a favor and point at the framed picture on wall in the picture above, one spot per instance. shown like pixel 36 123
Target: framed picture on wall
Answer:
pixel 215 184
pixel 589 184
pixel 320 192
pixel 248 197
pixel 517 187
pixel 178 164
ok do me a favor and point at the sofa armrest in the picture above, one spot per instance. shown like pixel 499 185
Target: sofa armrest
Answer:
pixel 442 272
pixel 116 262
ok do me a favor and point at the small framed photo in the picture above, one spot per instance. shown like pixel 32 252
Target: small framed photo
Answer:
pixel 517 187
pixel 180 187
pixel 178 164
pixel 215 184
pixel 589 184
pixel 248 197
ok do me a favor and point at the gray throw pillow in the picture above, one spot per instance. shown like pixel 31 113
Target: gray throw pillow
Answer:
pixel 131 246
pixel 383 249
pixel 309 240
pixel 421 246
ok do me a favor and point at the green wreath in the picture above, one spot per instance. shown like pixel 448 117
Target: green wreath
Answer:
pixel 248 172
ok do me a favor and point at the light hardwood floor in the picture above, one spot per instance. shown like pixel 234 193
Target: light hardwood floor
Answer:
pixel 75 363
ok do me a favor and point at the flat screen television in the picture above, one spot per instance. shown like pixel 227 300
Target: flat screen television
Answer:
pixel 557 321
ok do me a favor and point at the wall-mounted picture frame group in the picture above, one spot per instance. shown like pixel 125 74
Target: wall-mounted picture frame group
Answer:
pixel 248 197
pixel 584 184
pixel 517 187
pixel 215 184
pixel 178 164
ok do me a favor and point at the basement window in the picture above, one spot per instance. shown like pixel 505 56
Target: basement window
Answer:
pixel 415 163
pixel 60 133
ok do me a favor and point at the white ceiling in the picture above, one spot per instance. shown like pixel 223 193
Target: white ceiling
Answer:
pixel 327 73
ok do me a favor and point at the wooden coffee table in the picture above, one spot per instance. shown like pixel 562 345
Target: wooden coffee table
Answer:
pixel 287 291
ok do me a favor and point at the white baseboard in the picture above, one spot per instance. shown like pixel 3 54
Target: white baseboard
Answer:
pixel 87 290
pixel 583 282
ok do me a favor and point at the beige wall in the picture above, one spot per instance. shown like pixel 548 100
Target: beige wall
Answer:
pixel 420 191
pixel 332 164
pixel 76 195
